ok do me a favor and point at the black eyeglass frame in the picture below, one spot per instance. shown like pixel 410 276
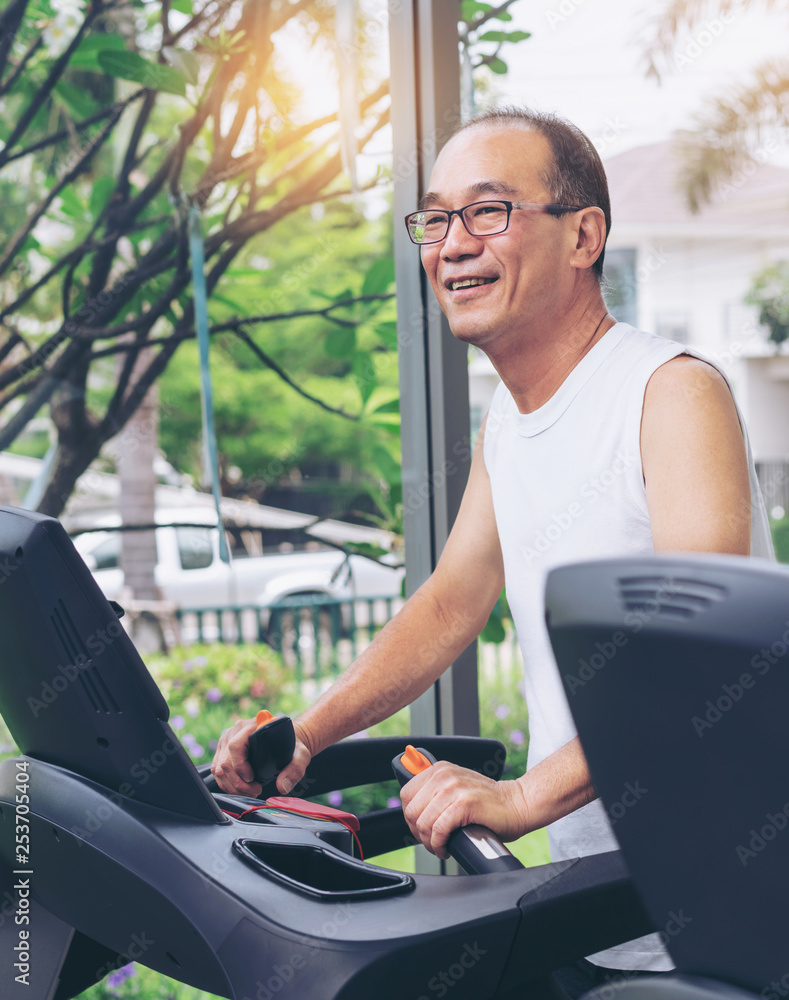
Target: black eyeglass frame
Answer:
pixel 549 208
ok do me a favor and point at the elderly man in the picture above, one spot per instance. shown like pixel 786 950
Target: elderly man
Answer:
pixel 601 440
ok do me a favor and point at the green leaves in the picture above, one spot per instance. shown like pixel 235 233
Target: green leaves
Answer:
pixel 387 331
pixel 130 66
pixel 469 9
pixel 100 195
pixel 353 343
pixel 365 374
pixel 87 55
pixel 386 465
pixel 340 342
pixel 186 63
pixel 77 101
pixel 473 10
pixel 495 628
pixel 769 291
pixel 379 277
pixel 497 66
pixel 476 16
pixel 393 406
pixel 504 36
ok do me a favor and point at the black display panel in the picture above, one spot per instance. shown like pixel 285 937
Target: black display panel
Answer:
pixel 74 690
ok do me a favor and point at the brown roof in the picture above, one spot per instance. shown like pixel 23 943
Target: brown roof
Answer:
pixel 644 189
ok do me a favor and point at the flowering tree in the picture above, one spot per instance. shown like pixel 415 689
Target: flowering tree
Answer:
pixel 117 119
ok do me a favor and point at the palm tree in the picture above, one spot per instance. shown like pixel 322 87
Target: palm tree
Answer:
pixel 734 131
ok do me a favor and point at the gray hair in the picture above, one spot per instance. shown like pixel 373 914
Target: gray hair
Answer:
pixel 576 176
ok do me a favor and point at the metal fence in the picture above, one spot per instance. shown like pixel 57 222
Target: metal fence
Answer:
pixel 318 637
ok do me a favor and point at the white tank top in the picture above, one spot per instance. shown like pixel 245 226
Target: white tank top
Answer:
pixel 568 485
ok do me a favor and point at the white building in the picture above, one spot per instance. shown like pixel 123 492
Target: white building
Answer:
pixel 685 276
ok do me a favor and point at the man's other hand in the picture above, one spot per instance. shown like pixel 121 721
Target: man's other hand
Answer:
pixel 232 769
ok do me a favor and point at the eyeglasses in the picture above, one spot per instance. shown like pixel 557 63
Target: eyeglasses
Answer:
pixel 481 218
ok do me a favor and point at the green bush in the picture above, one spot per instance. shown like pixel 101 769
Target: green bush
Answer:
pixel 209 687
pixel 135 982
pixel 502 709
pixel 780 530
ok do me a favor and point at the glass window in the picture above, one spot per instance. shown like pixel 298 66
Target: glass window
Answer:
pixel 194 547
pixel 620 286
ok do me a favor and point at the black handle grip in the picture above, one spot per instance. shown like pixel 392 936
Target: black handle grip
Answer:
pixel 476 849
pixel 271 747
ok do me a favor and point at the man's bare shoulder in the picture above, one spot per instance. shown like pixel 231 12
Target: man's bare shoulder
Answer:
pixel 686 380
pixel 695 461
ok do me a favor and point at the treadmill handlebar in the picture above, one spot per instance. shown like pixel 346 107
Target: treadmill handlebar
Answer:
pixel 476 849
pixel 271 746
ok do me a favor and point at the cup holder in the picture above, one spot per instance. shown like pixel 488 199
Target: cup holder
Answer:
pixel 320 873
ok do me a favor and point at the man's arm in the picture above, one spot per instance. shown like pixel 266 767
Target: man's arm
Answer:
pixel 694 460
pixel 407 656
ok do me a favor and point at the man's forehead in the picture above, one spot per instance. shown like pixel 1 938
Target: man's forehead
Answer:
pixel 488 188
pixel 503 162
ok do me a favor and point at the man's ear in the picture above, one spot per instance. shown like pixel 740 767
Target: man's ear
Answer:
pixel 590 237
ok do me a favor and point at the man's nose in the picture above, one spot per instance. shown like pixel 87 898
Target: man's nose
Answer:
pixel 459 241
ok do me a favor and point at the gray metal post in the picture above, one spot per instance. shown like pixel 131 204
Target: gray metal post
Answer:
pixel 434 397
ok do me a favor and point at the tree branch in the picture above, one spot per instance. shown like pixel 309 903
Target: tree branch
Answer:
pixel 51 140
pixel 238 324
pixel 36 360
pixel 22 234
pixel 6 86
pixel 13 341
pixel 10 19
pixel 38 398
pixel 234 325
pixel 201 18
pixel 272 364
pixel 77 254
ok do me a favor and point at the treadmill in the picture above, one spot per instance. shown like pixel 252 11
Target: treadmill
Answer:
pixel 113 847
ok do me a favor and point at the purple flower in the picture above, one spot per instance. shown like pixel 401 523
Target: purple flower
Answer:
pixel 195 750
pixel 502 711
pixel 335 798
pixel 121 975
pixel 517 737
pixel 213 694
pixel 177 722
pixel 392 803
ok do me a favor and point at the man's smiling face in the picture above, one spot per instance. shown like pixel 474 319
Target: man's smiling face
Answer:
pixel 492 286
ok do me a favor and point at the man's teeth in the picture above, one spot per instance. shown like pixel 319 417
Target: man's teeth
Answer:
pixel 468 283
